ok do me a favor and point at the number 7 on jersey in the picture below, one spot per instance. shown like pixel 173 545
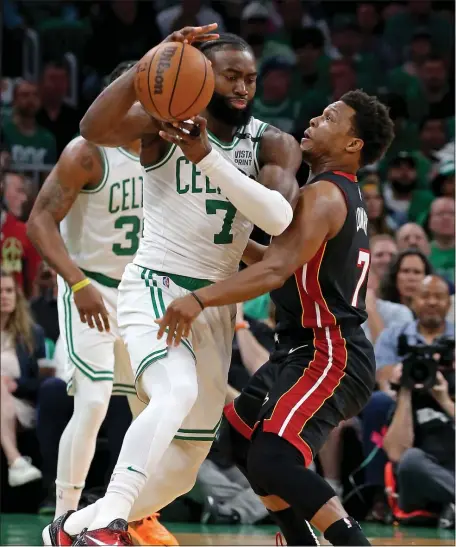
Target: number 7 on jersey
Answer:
pixel 363 262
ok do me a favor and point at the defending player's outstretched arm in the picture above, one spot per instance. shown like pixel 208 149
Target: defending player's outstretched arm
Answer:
pixel 79 166
pixel 319 215
pixel 115 117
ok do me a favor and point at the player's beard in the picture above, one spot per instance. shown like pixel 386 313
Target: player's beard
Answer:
pixel 220 108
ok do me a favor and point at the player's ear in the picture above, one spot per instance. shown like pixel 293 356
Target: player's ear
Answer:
pixel 354 145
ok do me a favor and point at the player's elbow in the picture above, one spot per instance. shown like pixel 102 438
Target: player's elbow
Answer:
pixel 276 275
pixel 90 132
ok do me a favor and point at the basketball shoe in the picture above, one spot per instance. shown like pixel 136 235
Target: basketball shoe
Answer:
pixel 54 534
pixel 115 533
pixel 149 531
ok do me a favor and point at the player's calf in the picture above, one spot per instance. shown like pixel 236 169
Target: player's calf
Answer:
pixel 278 468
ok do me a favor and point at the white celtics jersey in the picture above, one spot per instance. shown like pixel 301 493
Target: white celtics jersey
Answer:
pixel 190 227
pixel 103 227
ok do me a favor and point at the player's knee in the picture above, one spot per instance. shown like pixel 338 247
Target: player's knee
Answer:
pixel 94 404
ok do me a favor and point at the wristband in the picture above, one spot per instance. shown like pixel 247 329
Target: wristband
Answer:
pixel 198 300
pixel 80 285
pixel 242 325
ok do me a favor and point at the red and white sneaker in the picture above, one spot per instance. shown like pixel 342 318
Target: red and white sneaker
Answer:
pixel 54 534
pixel 115 533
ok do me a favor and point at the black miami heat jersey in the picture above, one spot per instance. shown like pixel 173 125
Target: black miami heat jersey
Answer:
pixel 331 288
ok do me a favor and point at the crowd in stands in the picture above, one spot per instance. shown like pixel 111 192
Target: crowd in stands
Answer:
pixel 309 54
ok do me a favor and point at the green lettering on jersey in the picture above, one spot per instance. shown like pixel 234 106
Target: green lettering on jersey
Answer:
pixel 111 198
pixel 135 205
pixel 209 189
pixel 125 194
pixel 132 227
pixel 180 189
pixel 225 236
pixel 195 175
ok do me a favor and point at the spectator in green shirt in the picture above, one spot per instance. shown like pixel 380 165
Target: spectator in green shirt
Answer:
pixel 28 142
pixel 441 227
pixel 400 28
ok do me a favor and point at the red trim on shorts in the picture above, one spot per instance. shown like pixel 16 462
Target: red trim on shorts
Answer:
pixel 317 384
pixel 236 421
pixel 348 176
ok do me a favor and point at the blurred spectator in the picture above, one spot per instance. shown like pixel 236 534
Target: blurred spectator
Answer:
pixel 430 303
pixel 44 303
pixel 400 27
pixel 55 115
pixel 443 182
pixel 403 199
pixel 382 313
pixel 187 13
pixel 421 438
pixel 14 194
pixel 383 250
pixel 22 353
pixel 18 256
pixel 312 63
pixel 441 227
pixel 5 159
pixel 379 221
pixel 369 24
pixel 432 137
pixel 436 99
pixel 412 236
pixel 254 27
pixel 294 15
pixel 124 29
pixel 28 142
pixel 404 276
pixel 274 103
pixel 347 45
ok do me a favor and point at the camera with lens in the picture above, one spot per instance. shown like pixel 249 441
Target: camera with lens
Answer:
pixel 421 362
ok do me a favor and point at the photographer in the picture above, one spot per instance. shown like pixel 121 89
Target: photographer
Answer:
pixel 420 438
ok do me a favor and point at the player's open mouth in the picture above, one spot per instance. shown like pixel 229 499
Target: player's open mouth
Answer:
pixel 238 103
pixel 306 134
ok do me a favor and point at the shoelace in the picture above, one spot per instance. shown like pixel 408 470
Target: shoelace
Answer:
pixel 279 539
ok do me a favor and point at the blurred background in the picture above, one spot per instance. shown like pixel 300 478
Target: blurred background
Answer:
pixel 55 57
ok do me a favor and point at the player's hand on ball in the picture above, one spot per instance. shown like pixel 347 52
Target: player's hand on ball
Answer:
pixel 191 138
pixel 91 308
pixel 178 319
pixel 194 34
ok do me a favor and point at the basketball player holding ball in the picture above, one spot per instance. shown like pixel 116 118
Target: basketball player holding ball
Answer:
pixel 203 192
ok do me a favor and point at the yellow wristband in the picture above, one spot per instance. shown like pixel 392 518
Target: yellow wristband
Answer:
pixel 80 285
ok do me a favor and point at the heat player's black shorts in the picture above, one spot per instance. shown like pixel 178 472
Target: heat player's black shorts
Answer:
pixel 307 388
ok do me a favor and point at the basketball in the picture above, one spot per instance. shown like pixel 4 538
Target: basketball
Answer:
pixel 174 81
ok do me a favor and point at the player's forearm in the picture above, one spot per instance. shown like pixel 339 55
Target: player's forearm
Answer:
pixel 254 252
pixel 267 209
pixel 254 281
pixel 45 236
pixel 399 436
pixel 253 354
pixel 109 108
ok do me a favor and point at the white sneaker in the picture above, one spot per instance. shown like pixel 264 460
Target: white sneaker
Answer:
pixel 22 471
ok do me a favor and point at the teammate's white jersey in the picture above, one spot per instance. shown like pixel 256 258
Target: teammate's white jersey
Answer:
pixel 103 227
pixel 190 227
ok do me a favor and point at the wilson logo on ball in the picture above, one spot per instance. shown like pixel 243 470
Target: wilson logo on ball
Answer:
pixel 163 64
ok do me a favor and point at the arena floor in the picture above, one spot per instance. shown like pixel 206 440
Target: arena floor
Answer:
pixel 26 530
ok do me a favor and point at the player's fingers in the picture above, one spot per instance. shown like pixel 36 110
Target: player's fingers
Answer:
pixel 205 38
pixel 105 319
pixel 179 332
pixel 186 127
pixel 167 137
pixel 172 329
pixel 188 328
pixel 82 317
pixel 90 321
pixel 196 31
pixel 162 327
pixel 98 322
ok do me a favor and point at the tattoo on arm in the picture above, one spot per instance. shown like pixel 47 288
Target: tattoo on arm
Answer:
pixel 87 162
pixel 56 197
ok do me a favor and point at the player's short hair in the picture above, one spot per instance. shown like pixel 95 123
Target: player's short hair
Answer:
pixel 119 70
pixel 226 41
pixel 371 123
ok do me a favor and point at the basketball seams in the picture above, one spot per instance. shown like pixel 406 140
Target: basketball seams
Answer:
pixel 200 91
pixel 175 80
pixel 148 83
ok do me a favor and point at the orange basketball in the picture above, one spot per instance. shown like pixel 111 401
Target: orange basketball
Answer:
pixel 174 81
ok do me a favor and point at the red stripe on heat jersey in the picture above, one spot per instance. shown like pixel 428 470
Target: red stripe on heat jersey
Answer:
pixel 348 176
pixel 315 310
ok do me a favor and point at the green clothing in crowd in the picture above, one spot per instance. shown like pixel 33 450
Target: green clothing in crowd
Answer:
pixel 443 261
pixel 39 148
